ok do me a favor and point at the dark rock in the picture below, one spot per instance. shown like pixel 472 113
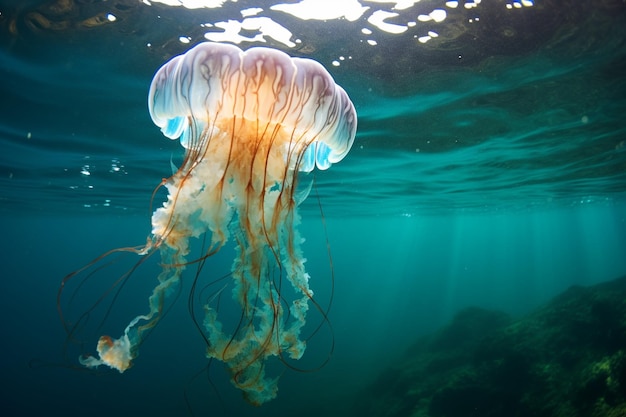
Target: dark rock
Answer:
pixel 566 359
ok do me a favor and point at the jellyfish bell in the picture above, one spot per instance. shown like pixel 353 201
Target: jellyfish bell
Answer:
pixel 250 122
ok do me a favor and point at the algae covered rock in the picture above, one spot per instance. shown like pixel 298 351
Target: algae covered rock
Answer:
pixel 566 359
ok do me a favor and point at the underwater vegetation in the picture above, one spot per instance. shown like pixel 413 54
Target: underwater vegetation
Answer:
pixel 567 358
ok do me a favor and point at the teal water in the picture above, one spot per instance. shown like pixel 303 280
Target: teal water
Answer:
pixel 496 179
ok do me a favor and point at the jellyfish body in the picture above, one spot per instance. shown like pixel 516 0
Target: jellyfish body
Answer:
pixel 250 122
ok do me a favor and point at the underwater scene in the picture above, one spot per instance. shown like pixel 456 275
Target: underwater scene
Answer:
pixel 313 208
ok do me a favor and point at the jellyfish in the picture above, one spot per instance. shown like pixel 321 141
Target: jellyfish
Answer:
pixel 251 124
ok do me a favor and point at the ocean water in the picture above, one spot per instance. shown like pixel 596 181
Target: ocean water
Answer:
pixel 489 169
